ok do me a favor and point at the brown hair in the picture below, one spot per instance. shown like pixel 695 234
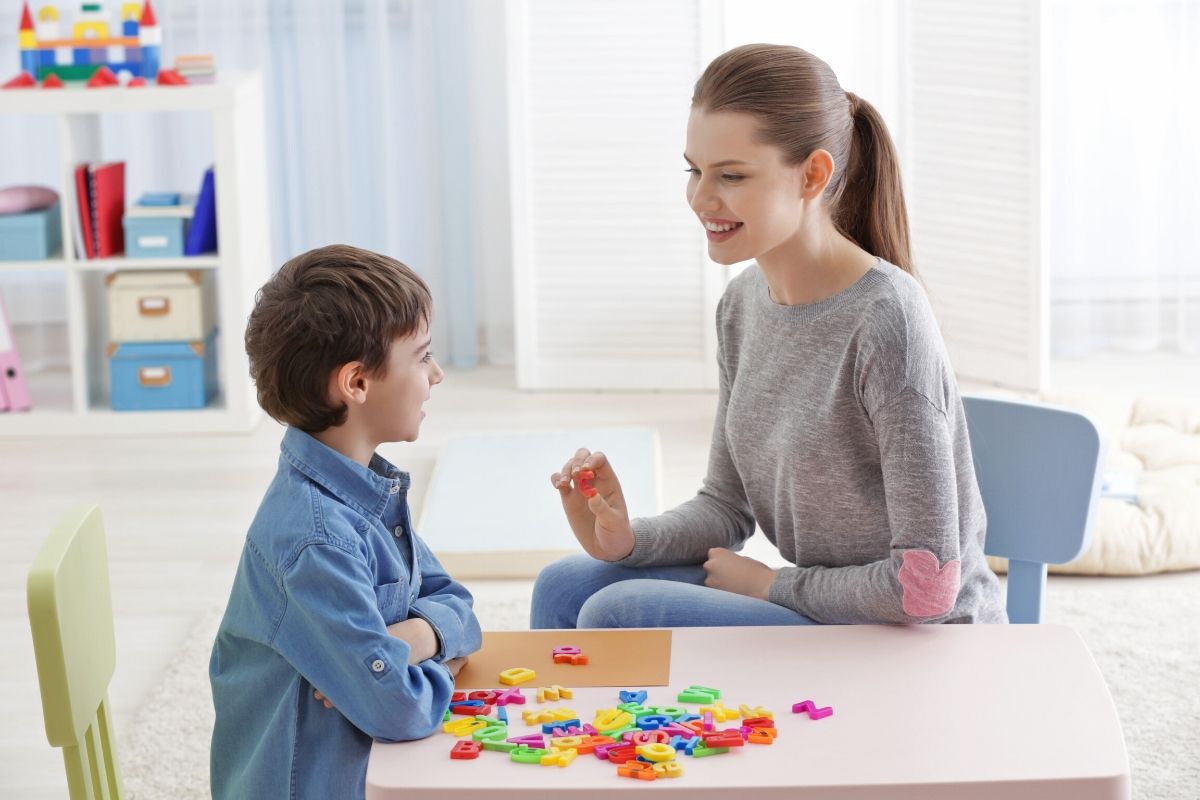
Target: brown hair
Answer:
pixel 801 107
pixel 323 309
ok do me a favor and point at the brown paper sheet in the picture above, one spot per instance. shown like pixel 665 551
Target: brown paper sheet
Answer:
pixel 621 658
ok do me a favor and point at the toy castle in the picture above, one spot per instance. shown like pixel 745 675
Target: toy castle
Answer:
pixel 134 46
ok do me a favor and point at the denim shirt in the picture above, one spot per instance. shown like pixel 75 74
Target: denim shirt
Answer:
pixel 329 562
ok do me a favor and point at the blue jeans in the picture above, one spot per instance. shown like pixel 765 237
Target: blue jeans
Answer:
pixel 581 592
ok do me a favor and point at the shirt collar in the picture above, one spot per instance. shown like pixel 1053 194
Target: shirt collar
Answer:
pixel 367 489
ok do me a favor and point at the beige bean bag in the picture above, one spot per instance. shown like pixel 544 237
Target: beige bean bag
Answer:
pixel 1155 443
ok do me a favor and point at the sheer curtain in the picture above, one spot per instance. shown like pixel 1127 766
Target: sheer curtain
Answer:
pixel 1125 182
pixel 367 123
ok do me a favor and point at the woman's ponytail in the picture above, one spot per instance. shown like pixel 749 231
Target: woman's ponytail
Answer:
pixel 871 208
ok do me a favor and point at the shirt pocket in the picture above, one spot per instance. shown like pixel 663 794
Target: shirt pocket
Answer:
pixel 392 599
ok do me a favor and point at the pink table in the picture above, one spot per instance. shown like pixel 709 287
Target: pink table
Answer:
pixel 969 712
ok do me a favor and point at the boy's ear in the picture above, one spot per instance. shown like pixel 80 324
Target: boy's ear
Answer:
pixel 348 384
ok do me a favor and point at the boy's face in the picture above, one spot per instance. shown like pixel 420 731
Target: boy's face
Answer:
pixel 392 409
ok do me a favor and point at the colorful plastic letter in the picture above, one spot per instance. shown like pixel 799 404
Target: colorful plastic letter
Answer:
pixel 656 751
pixel 507 696
pixel 526 755
pixel 761 736
pixel 757 711
pixel 811 708
pixel 702 751
pixel 583 479
pixel 558 756
pixel 637 769
pixel 638 696
pixel 465 749
pixel 668 769
pixel 534 740
pixel 515 675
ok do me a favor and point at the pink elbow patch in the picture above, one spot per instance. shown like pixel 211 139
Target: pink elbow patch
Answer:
pixel 928 590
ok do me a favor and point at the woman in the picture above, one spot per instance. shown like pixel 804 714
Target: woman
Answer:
pixel 839 429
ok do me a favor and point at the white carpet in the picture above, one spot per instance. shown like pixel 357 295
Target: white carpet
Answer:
pixel 1145 637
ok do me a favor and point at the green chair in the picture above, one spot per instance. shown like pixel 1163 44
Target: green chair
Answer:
pixel 70 614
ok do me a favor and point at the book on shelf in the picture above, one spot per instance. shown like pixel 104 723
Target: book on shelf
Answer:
pixel 202 235
pixel 14 392
pixel 100 195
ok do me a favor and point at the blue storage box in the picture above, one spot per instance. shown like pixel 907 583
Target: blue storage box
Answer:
pixel 157 230
pixel 151 376
pixel 33 236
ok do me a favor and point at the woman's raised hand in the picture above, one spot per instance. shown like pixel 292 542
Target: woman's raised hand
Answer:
pixel 595 505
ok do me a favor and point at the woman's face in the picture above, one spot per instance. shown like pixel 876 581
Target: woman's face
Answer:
pixel 748 199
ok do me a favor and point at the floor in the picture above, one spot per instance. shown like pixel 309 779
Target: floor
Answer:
pixel 176 512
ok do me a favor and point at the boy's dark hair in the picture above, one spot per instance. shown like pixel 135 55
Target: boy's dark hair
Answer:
pixel 323 309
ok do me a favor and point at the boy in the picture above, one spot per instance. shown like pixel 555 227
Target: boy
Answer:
pixel 337 604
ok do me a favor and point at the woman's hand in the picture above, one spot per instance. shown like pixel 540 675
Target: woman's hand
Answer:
pixel 595 506
pixel 727 570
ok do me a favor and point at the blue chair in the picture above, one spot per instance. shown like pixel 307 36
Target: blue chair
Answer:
pixel 1038 469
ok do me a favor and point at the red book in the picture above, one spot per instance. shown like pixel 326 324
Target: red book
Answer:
pixel 108 206
pixel 83 193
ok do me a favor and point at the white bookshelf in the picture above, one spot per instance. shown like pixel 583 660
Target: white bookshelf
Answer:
pixel 77 403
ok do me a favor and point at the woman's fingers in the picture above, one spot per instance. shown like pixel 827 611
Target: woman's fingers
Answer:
pixel 596 462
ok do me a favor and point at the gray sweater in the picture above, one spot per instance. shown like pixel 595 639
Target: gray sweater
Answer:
pixel 840 432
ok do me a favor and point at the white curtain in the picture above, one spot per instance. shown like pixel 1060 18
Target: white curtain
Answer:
pixel 367 116
pixel 1125 176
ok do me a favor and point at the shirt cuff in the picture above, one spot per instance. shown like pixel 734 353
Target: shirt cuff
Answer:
pixel 643 544
pixel 447 627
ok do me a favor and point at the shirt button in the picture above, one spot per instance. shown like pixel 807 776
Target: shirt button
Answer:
pixel 395 489
pixel 399 531
pixel 377 665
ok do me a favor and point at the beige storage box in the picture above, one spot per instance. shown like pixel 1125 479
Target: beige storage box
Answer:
pixel 161 306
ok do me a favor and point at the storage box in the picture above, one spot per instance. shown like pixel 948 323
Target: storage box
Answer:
pixel 33 236
pixel 154 376
pixel 161 305
pixel 157 230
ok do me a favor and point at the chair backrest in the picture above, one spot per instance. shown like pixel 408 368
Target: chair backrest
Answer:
pixel 70 614
pixel 1038 469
